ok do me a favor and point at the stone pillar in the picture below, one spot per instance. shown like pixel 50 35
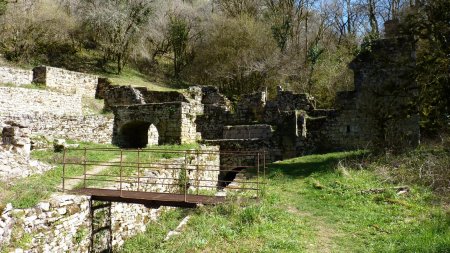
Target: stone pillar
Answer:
pixel 17 136
pixel 40 75
pixel 103 85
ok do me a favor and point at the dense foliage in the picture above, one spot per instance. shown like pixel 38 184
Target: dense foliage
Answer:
pixel 237 45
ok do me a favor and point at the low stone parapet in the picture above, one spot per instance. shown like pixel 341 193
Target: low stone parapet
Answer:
pixel 19 101
pixel 15 76
pixel 94 128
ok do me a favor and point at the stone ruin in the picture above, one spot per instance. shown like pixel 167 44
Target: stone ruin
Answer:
pixel 289 125
pixel 16 137
pixel 15 149
pixel 379 109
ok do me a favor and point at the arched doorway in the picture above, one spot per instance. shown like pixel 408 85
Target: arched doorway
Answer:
pixel 137 134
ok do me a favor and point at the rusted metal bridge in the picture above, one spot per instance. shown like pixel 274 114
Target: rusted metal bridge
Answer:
pixel 161 177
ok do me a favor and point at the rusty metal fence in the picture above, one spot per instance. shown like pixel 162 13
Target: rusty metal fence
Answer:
pixel 156 170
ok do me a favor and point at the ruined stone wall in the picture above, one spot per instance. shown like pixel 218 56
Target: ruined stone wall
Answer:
pixel 189 114
pixel 17 101
pixel 127 95
pixel 62 224
pixel 15 165
pixel 347 127
pixel 201 166
pixel 252 109
pixel 66 81
pixel 175 123
pixel 261 131
pixel 93 128
pixel 381 111
pixel 211 123
pixel 15 76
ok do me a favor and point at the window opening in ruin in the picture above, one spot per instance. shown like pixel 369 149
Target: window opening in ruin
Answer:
pixel 348 129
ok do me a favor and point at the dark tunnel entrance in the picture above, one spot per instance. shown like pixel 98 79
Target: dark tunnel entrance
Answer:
pixel 135 134
pixel 227 177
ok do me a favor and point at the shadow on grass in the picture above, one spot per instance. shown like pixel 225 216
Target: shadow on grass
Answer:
pixel 302 167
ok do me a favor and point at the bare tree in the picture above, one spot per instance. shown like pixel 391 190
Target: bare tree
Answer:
pixel 30 28
pixel 115 25
pixel 235 8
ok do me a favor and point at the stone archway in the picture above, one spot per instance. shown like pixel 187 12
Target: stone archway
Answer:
pixel 135 134
pixel 174 122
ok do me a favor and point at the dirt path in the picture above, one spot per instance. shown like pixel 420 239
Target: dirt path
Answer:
pixel 72 183
pixel 324 236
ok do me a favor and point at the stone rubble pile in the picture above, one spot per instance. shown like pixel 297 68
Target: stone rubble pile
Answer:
pixel 15 159
pixel 13 165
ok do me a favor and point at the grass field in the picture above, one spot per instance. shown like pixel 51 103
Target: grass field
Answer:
pixel 311 204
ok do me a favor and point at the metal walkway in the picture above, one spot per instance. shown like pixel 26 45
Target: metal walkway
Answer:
pixel 158 177
pixel 150 199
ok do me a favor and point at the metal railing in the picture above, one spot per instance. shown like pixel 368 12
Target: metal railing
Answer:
pixel 188 172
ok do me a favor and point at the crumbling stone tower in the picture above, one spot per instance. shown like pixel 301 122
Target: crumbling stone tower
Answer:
pixel 381 111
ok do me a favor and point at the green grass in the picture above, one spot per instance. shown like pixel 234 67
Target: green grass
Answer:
pixel 134 78
pixel 86 61
pixel 34 86
pixel 311 204
pixel 130 75
pixel 27 192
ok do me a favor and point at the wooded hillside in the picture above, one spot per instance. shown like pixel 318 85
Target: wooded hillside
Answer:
pixel 239 46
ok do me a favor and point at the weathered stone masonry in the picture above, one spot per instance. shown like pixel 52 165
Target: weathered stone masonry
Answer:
pixel 17 101
pixel 173 122
pixel 61 80
pixel 66 81
pixel 91 128
pixel 15 76
pixel 378 112
pixel 52 114
pixel 138 111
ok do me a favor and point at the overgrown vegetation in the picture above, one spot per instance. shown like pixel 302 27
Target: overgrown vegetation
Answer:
pixel 428 165
pixel 239 46
pixel 311 204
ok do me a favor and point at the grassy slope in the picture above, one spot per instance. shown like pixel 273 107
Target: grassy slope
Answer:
pixel 87 61
pixel 134 78
pixel 309 206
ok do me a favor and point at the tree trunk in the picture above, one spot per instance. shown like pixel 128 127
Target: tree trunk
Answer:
pixel 119 64
pixel 372 17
